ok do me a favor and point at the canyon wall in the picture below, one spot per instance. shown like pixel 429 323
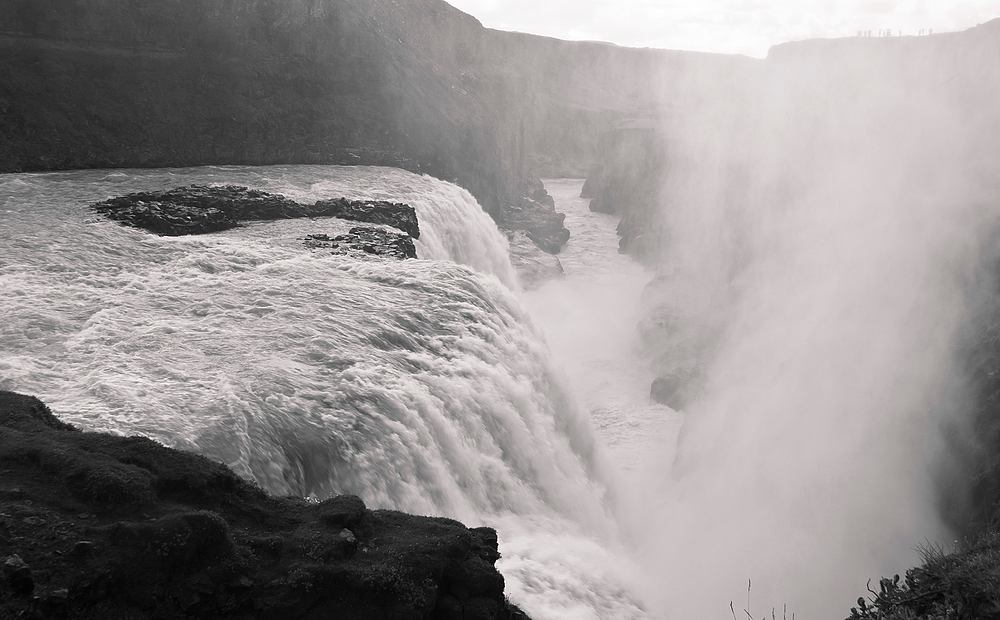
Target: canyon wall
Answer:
pixel 415 84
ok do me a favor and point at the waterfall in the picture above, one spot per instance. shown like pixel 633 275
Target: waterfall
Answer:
pixel 420 385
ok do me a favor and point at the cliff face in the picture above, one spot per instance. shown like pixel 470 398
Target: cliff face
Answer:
pixel 409 83
pixel 101 83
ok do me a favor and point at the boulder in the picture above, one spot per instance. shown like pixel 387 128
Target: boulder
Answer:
pixel 675 389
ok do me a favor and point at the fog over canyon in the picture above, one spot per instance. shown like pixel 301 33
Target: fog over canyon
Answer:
pixel 698 335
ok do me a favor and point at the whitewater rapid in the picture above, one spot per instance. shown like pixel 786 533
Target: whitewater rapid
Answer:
pixel 421 385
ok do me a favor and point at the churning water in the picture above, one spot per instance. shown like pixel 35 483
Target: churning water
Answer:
pixel 436 386
pixel 420 385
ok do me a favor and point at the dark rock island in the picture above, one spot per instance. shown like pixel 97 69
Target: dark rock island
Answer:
pixel 94 526
pixel 199 209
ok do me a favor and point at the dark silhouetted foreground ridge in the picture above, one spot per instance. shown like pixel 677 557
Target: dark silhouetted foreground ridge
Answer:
pixel 94 526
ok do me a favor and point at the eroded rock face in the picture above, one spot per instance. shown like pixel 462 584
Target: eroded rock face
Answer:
pixel 626 181
pixel 365 240
pixel 540 222
pixel 676 388
pixel 532 264
pixel 198 209
pixel 184 537
pixel 395 214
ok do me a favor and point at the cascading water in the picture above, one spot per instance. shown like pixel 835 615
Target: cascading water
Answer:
pixel 419 385
pixel 423 385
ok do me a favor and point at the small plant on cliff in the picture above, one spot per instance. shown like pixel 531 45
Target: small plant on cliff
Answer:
pixel 947 586
pixel 746 610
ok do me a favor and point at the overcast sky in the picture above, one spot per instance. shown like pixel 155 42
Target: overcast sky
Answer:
pixel 727 26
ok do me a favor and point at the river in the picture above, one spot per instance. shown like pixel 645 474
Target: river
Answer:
pixel 434 386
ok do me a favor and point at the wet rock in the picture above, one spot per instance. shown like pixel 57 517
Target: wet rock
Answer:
pixel 485 543
pixel 18 575
pixel 198 209
pixel 206 544
pixel 541 196
pixel 365 240
pixel 675 389
pixel 532 264
pixel 540 222
pixel 395 214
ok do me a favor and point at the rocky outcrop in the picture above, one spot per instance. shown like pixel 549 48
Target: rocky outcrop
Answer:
pixel 97 526
pixel 533 265
pixel 676 388
pixel 395 214
pixel 362 240
pixel 626 181
pixel 198 209
pixel 534 216
pixel 540 222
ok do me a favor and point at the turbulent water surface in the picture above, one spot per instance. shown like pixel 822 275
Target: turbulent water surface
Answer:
pixel 421 385
pixel 438 386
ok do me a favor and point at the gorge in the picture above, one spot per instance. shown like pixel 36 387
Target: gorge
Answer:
pixel 787 378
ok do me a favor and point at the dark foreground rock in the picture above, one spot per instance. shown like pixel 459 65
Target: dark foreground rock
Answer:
pixel 96 526
pixel 365 240
pixel 199 209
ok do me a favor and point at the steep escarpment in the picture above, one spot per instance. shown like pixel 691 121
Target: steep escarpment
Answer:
pixel 808 91
pixel 103 84
pixel 97 526
pixel 415 84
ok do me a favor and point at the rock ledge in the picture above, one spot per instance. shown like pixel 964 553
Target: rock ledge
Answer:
pixel 97 526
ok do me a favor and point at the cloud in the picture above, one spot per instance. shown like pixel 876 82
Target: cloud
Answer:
pixel 726 26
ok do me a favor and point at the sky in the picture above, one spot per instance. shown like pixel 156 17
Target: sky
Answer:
pixel 747 27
